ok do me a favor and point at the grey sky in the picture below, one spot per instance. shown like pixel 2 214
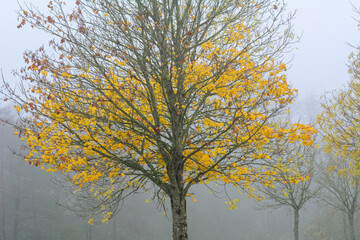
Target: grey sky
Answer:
pixel 326 26
pixel 319 64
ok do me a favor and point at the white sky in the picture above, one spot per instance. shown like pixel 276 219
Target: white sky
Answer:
pixel 326 26
pixel 319 63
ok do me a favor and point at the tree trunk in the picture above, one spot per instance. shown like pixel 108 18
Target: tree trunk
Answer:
pixel 2 192
pixel 2 215
pixel 296 224
pixel 179 218
pixel 114 223
pixel 88 232
pixel 351 226
pixel 34 213
pixel 16 215
pixel 345 225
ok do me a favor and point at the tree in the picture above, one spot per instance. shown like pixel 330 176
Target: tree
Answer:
pixel 339 120
pixel 323 224
pixel 287 191
pixel 155 95
pixel 341 188
pixel 339 126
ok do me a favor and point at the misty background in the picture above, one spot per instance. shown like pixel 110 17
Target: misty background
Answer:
pixel 28 207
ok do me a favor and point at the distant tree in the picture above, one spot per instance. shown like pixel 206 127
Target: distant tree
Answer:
pixel 339 120
pixel 339 125
pixel 27 210
pixel 340 188
pixel 323 224
pixel 2 185
pixel 286 190
pixel 155 95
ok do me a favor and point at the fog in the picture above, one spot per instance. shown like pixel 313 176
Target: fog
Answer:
pixel 28 198
pixel 29 210
pixel 327 28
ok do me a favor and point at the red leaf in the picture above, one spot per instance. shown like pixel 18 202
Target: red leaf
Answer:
pixel 157 130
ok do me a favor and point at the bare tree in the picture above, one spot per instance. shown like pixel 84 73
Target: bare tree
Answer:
pixel 287 191
pixel 341 190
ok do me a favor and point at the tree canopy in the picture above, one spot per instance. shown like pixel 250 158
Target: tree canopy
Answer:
pixel 339 119
pixel 156 95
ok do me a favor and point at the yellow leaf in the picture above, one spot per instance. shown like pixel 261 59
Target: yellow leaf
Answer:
pixel 91 221
pixel 18 109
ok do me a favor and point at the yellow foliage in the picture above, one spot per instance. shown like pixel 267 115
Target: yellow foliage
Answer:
pixel 339 123
pixel 125 122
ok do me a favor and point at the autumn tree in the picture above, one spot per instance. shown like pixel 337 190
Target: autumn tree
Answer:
pixel 339 119
pixel 339 126
pixel 289 189
pixel 341 188
pixel 155 96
